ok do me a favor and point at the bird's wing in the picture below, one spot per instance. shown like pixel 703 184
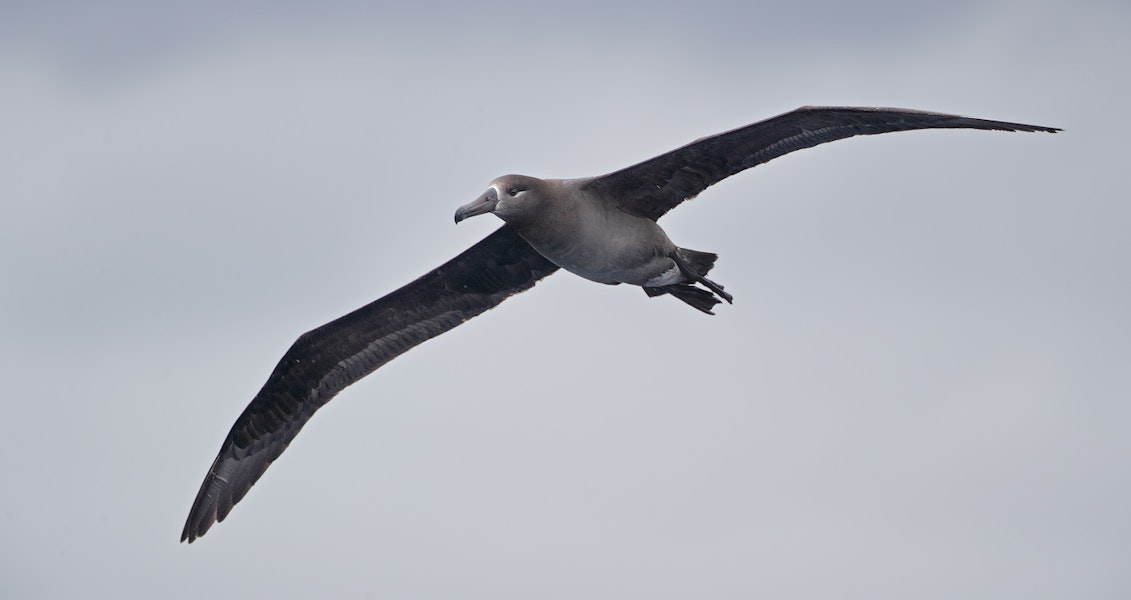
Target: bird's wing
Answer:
pixel 652 188
pixel 324 361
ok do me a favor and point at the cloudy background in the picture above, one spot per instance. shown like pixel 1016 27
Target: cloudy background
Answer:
pixel 921 390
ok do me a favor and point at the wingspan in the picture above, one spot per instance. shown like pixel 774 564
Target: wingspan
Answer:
pixel 325 361
pixel 652 188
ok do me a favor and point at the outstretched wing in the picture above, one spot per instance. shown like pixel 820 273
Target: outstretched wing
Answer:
pixel 652 188
pixel 324 361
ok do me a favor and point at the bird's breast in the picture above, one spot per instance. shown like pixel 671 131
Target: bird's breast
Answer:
pixel 606 246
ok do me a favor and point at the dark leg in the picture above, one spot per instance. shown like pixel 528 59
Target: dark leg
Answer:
pixel 711 285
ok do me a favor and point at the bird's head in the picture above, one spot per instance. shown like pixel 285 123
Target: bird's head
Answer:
pixel 510 197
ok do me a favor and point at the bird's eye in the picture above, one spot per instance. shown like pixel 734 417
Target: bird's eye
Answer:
pixel 513 191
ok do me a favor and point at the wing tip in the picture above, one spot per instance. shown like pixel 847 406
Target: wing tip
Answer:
pixel 999 125
pixel 198 523
pixel 206 510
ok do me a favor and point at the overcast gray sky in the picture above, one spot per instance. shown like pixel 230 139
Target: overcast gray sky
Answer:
pixel 921 390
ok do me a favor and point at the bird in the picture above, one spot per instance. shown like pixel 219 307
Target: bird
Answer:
pixel 601 228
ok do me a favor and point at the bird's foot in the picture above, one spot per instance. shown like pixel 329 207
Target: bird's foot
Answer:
pixel 692 275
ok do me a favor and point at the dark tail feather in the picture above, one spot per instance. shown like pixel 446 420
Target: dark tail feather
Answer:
pixel 699 262
pixel 696 297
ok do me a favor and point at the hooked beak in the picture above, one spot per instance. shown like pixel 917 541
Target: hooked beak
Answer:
pixel 481 205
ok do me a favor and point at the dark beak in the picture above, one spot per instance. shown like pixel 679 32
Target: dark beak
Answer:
pixel 481 205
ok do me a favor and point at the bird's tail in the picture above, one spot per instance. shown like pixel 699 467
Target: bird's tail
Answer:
pixel 697 262
pixel 695 265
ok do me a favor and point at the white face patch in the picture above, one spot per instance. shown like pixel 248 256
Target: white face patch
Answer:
pixel 500 206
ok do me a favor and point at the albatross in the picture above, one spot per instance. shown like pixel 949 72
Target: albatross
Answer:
pixel 602 228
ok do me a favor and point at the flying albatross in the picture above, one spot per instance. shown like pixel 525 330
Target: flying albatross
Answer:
pixel 601 228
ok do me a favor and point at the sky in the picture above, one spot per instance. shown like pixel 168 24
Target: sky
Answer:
pixel 921 389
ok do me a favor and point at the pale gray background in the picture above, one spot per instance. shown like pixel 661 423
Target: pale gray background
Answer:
pixel 921 390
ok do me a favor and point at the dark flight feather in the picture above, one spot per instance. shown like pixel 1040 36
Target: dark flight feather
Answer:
pixel 652 188
pixel 324 361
